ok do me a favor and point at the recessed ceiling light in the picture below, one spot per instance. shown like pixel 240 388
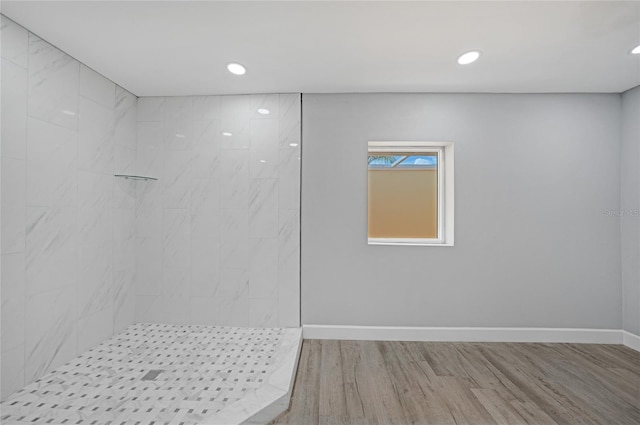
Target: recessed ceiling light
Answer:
pixel 236 68
pixel 263 161
pixel 226 133
pixel 264 111
pixel 636 50
pixel 68 112
pixel 293 144
pixel 180 136
pixel 469 57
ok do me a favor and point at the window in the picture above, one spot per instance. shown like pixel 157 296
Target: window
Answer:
pixel 410 195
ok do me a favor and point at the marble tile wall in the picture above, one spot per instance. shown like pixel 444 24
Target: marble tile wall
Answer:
pixel 67 233
pixel 218 234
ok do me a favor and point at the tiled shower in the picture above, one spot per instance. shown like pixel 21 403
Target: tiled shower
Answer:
pixel 213 241
pixel 217 236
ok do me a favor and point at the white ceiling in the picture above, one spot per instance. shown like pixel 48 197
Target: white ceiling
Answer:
pixel 169 48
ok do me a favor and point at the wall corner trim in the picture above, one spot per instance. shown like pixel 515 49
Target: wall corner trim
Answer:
pixel 631 340
pixel 470 334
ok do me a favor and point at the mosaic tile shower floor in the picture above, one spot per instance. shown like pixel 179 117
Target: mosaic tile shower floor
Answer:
pixel 200 370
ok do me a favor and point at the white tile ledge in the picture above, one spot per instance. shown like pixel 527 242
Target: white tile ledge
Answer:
pixel 262 405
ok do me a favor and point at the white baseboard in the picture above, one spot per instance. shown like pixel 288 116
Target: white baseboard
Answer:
pixel 630 340
pixel 393 333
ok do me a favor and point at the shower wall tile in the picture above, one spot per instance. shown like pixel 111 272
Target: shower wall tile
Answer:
pixel 162 309
pixel 51 249
pixel 237 108
pixel 206 108
pixel 235 175
pixel 68 227
pixel 150 109
pixel 95 200
pixel 149 156
pixel 263 268
pixel 96 147
pixel 125 132
pixel 263 208
pixel 264 148
pixel 270 102
pixel 178 109
pixel 14 109
pixel 289 178
pixel 207 141
pixel 177 238
pixel 290 112
pixel 176 282
pixel 124 194
pixel 289 267
pixel 96 88
pixel 205 266
pixel 125 118
pixel 234 247
pixel 124 299
pixel 177 179
pixel 95 191
pixel 263 312
pixel 13 300
pixel 124 160
pixel 94 329
pixel 51 164
pixel 148 265
pixel 95 284
pixel 204 311
pixel 14 82
pixel 206 225
pixel 216 234
pixel 50 338
pixel 13 188
pixel 233 296
pixel 15 41
pixel 178 128
pixel 53 84
pixel 148 208
pixel 12 370
pixel 143 312
pixel 124 239
pixel 288 297
pixel 123 287
pixel 178 135
pixel 236 119
pixel 289 239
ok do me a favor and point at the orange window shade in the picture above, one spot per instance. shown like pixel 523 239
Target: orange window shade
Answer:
pixel 403 203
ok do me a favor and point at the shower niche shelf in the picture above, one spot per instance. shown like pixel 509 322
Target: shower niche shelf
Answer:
pixel 134 177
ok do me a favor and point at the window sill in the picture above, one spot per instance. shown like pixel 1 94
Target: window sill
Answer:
pixel 407 242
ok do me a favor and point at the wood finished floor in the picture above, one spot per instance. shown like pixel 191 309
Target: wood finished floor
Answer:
pixel 367 382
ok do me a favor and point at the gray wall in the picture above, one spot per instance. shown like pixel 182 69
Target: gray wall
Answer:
pixel 534 246
pixel 67 223
pixel 630 209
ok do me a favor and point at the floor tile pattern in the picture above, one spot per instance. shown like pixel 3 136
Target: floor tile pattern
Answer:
pixel 190 373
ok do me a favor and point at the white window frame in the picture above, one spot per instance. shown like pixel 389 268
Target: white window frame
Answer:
pixel 444 150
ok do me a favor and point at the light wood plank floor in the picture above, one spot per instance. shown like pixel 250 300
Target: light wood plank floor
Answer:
pixel 366 382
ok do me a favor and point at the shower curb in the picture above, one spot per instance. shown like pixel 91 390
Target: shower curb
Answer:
pixel 260 406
